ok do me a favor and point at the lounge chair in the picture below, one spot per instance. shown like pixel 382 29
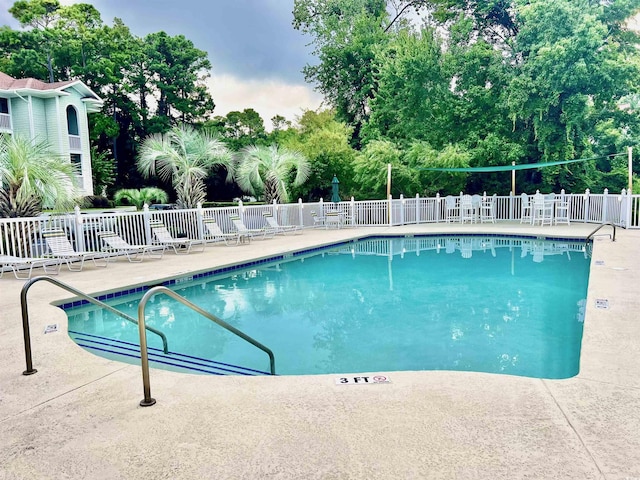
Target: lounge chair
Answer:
pixel 135 253
pixel 20 264
pixel 180 245
pixel 61 249
pixel 216 234
pixel 283 229
pixel 250 232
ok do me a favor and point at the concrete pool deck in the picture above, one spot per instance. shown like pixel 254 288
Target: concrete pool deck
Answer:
pixel 79 416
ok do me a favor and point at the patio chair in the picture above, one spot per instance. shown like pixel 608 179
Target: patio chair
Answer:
pixel 317 219
pixel 525 209
pixel 282 229
pixel 250 232
pixel 466 209
pixel 180 245
pixel 563 208
pixel 451 209
pixel 61 249
pixel 135 253
pixel 333 219
pixel 216 234
pixel 20 264
pixel 487 208
pixel 542 210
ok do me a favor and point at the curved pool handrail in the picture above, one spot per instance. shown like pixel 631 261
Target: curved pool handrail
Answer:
pixel 613 238
pixel 147 401
pixel 25 316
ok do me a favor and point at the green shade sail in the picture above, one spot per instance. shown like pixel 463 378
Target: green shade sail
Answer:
pixel 507 168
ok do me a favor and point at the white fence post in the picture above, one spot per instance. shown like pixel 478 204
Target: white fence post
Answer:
pixel 605 200
pixel 78 230
pixel 146 216
pixel 241 210
pixel 353 212
pixel 417 208
pixel 402 204
pixel 437 215
pixel 300 213
pixel 199 218
pixel 586 205
pixel 390 210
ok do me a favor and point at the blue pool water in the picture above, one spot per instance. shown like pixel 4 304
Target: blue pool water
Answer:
pixel 485 304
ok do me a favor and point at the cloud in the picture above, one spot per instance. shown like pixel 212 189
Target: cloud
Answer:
pixel 267 97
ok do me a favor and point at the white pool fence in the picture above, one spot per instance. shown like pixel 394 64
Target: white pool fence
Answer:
pixel 22 237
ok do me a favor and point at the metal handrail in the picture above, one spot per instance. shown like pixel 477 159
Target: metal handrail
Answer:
pixel 613 239
pixel 144 357
pixel 25 316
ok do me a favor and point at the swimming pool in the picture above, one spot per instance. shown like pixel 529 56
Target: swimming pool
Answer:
pixel 507 305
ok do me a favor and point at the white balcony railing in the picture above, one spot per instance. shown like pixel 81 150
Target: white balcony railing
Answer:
pixel 75 143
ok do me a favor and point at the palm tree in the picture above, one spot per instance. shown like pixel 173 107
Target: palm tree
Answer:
pixel 185 157
pixel 267 169
pixel 138 198
pixel 32 176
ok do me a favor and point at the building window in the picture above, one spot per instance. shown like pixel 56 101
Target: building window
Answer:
pixel 76 160
pixel 4 105
pixel 72 121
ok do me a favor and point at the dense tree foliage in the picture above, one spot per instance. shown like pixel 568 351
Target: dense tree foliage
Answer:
pixel 502 80
pixel 413 83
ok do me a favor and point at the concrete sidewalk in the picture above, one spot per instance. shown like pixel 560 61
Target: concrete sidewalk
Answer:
pixel 79 417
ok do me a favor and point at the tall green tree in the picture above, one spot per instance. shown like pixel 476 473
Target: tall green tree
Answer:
pixel 324 141
pixel 270 170
pixel 184 157
pixel 346 34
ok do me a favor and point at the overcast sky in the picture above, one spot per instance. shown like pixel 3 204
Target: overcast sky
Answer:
pixel 256 55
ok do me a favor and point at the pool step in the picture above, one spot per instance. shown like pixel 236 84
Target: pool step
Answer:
pixel 178 362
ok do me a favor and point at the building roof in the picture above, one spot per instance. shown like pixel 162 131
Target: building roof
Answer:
pixel 38 88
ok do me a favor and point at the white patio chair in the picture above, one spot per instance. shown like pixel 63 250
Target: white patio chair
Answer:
pixel 282 229
pixel 525 209
pixel 317 220
pixel 250 232
pixel 135 253
pixel 216 234
pixel 181 246
pixel 541 210
pixel 333 219
pixel 20 264
pixel 467 212
pixel 487 208
pixel 563 207
pixel 62 249
pixel 451 209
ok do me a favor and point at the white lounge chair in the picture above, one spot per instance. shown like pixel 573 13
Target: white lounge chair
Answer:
pixel 135 253
pixel 21 264
pixel 250 232
pixel 283 229
pixel 61 249
pixel 216 234
pixel 180 245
